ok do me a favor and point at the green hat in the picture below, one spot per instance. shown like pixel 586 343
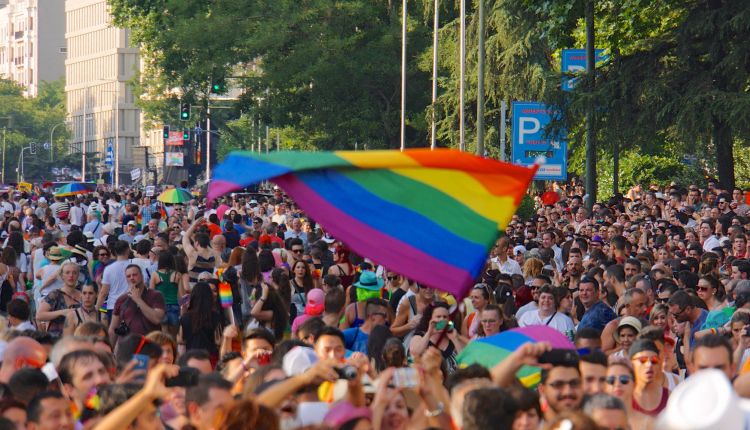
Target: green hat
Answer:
pixel 368 280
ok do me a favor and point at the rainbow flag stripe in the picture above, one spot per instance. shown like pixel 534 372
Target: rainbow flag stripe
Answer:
pixel 429 215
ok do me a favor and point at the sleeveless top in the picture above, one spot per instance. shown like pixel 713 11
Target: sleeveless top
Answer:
pixel 56 301
pixel 346 280
pixel 202 265
pixel 357 320
pixel 449 356
pixel 654 412
pixel 299 301
pixel 167 288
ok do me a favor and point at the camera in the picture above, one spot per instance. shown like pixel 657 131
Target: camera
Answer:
pixel 347 372
pixel 122 330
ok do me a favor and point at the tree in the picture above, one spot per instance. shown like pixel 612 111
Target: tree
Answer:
pixel 328 70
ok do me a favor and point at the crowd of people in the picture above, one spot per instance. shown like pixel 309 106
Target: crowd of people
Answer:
pixel 120 312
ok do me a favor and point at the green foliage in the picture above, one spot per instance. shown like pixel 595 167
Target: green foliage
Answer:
pixel 526 208
pixel 32 120
pixel 329 70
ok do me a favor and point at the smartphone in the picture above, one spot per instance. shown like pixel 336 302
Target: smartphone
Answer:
pixel 558 356
pixel 141 364
pixel 441 325
pixel 405 377
pixel 187 377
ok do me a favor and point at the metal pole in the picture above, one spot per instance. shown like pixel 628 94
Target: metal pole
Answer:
pixel 403 74
pixel 590 131
pixel 480 83
pixel 462 55
pixel 278 142
pixel 83 144
pixel 503 120
pixel 4 137
pixel 267 140
pixel 208 144
pixel 117 136
pixel 435 27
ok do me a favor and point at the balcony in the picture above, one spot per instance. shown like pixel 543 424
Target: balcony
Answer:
pixel 18 35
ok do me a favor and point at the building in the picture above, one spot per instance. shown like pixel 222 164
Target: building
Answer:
pixel 101 60
pixel 32 42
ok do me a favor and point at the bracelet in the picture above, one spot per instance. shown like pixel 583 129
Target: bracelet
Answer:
pixel 262 299
pixel 438 410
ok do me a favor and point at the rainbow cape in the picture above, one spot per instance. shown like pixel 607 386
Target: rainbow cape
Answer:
pixel 430 215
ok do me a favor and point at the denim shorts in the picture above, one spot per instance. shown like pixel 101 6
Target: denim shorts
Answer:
pixel 172 315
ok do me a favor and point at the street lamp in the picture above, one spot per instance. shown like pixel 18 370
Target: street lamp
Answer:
pixel 51 142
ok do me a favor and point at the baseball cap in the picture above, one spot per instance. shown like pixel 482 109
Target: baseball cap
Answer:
pixel 344 412
pixel 298 360
pixel 133 223
pixel 519 249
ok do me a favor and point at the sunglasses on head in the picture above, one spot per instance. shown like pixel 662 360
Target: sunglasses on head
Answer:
pixel 643 360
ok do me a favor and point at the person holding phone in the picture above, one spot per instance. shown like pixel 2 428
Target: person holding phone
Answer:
pixel 435 329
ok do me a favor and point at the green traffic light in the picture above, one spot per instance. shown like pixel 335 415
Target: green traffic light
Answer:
pixel 185 115
pixel 216 87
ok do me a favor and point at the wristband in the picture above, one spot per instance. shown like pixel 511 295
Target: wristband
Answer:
pixel 437 411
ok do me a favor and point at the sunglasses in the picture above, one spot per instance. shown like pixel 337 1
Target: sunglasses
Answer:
pixel 392 278
pixel 643 360
pixel 558 385
pixel 624 379
pixel 103 254
pixel 297 251
pixel 662 299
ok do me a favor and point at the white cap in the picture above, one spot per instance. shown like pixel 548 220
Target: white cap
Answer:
pixel 519 249
pixel 704 401
pixel 298 360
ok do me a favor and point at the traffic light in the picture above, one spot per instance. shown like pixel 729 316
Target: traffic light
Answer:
pixel 184 111
pixel 186 134
pixel 166 132
pixel 218 86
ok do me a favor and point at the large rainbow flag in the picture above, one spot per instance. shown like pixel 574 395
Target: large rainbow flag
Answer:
pixel 430 215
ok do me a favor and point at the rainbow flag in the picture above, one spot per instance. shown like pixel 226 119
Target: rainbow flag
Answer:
pixel 430 215
pixel 225 295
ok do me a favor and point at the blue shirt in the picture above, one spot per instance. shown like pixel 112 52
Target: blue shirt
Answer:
pixel 356 340
pixel 698 325
pixel 598 316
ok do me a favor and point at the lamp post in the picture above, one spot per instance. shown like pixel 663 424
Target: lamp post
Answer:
pixel 116 110
pixel 51 144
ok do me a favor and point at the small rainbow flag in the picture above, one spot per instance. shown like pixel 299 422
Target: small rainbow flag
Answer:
pixel 430 215
pixel 225 295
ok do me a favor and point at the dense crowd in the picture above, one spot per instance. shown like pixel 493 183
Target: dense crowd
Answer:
pixel 121 312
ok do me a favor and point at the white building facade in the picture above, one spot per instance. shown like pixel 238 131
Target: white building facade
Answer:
pixel 32 42
pixel 100 62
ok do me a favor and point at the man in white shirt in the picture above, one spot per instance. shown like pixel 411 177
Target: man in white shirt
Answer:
pixel 707 238
pixel 548 241
pixel 114 282
pixel 501 261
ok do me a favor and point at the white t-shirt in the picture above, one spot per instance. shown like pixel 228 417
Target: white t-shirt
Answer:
pixel 114 276
pixel 509 267
pixel 559 322
pixel 530 306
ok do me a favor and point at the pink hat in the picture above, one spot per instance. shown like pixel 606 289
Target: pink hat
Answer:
pixel 344 412
pixel 315 302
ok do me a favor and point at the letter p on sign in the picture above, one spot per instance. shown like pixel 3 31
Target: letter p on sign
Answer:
pixel 527 125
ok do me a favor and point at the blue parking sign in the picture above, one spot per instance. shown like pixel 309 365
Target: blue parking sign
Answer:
pixel 530 142
pixel 574 61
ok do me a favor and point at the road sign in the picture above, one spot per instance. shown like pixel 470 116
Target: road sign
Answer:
pixel 175 139
pixel 531 142
pixel 574 61
pixel 135 174
pixel 109 155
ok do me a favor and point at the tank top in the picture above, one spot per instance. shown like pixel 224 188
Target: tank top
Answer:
pixel 654 412
pixel 202 265
pixel 167 288
pixel 346 280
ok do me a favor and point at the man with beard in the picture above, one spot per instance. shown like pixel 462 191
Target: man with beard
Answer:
pixel 682 307
pixel 634 305
pixel 561 387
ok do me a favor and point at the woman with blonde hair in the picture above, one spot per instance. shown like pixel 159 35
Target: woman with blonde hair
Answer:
pixel 531 269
